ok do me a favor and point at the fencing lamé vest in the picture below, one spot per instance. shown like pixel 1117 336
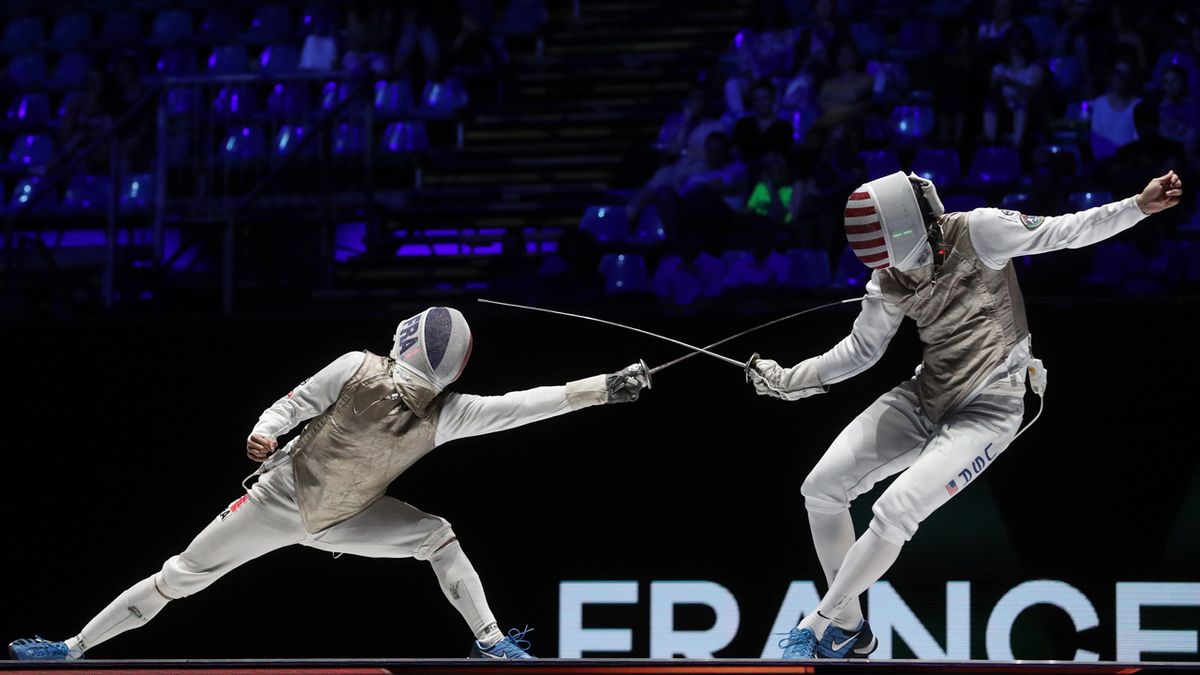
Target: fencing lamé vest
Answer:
pixel 969 320
pixel 346 457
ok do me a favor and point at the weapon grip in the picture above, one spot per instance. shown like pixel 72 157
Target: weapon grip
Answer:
pixel 750 365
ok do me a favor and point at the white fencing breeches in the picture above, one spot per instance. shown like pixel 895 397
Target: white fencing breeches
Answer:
pixel 893 435
pixel 267 518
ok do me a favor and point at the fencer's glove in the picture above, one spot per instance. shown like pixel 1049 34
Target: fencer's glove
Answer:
pixel 790 384
pixel 624 386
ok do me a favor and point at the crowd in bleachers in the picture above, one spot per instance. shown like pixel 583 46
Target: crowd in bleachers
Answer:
pixel 69 75
pixel 1042 106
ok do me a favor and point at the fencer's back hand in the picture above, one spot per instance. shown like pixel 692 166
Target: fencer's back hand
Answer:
pixel 625 386
pixel 260 447
pixel 1162 193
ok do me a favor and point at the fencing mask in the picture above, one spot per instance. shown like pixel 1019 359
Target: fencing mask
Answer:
pixel 885 221
pixel 430 349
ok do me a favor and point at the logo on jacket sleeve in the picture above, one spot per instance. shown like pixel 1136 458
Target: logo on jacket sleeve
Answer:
pixel 1032 222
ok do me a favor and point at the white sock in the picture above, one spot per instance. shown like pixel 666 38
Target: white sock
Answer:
pixel 131 609
pixel 74 648
pixel 866 562
pixel 833 535
pixel 464 590
pixel 491 635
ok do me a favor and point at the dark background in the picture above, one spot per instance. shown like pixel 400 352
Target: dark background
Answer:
pixel 125 438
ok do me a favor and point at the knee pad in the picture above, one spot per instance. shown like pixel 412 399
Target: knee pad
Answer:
pixel 441 535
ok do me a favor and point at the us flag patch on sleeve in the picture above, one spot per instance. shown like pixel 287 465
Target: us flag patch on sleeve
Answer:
pixel 1032 222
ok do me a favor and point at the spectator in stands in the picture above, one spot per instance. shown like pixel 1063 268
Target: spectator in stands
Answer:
pixel 1179 115
pixel 320 47
pixel 473 46
pixel 766 52
pixel 958 90
pixel 86 115
pixel 775 199
pixel 824 31
pixel 689 274
pixel 1149 152
pixel 368 36
pixel 673 176
pixel 763 130
pixel 703 210
pixel 844 98
pixel 417 30
pixel 1015 84
pixel 1075 37
pixel 993 31
pixel 673 136
pixel 1123 35
pixel 1112 113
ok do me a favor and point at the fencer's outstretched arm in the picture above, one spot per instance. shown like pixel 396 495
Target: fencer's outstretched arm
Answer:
pixel 310 398
pixel 465 415
pixel 1001 235
pixel 877 323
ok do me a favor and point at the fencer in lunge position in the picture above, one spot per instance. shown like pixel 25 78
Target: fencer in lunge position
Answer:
pixel 952 274
pixel 371 417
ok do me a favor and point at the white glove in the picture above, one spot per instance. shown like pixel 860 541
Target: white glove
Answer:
pixel 789 384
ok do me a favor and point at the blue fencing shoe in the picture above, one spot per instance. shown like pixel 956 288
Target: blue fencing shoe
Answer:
pixel 840 643
pixel 38 649
pixel 513 646
pixel 799 644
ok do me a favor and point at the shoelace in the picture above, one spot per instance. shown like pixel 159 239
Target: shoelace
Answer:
pixel 518 637
pixel 792 640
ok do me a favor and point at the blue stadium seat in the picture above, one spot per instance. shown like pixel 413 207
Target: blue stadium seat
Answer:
pixel 31 150
pixel 1079 112
pixel 995 167
pixel 270 23
pixel 136 192
pixel 1060 159
pixel 24 191
pixel 279 59
pixel 244 143
pixel 171 27
pixel 70 32
pixel 176 62
pixel 1079 201
pixel 120 29
pixel 28 110
pixel 649 228
pixel 22 33
pixel 182 100
pixel 393 98
pixel 404 137
pixel 443 98
pixel 1016 201
pixel 288 100
pixel 808 269
pixel 913 122
pixel 1114 262
pixel 850 270
pixel 940 165
pixel 86 194
pixel 606 224
pixel 236 101
pixel 735 263
pixel 228 60
pixel 880 162
pixel 288 137
pixel 221 25
pixel 71 72
pixel 27 71
pixel 347 139
pixel 623 273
